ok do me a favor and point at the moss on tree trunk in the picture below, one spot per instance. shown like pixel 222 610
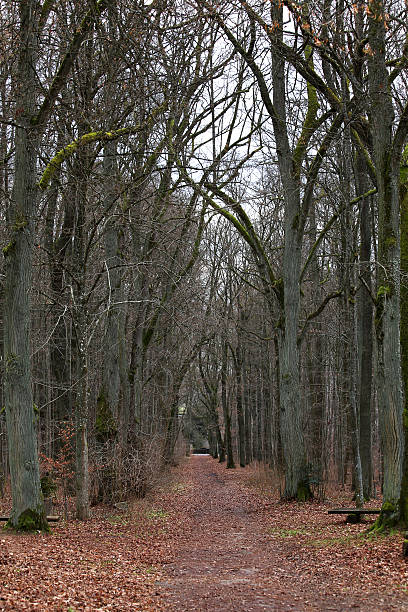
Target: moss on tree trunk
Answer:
pixel 304 492
pixel 31 519
pixel 388 518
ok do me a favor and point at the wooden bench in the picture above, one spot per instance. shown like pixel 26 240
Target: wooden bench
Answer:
pixel 354 515
pixel 50 519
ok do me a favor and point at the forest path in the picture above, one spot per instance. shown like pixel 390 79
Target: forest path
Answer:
pixel 234 556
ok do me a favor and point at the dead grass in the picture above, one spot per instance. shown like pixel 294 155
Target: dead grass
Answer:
pixel 266 481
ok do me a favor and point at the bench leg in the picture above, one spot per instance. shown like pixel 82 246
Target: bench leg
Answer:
pixel 353 519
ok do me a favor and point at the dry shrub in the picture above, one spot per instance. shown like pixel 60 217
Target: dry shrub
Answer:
pixel 265 479
pixel 270 481
pixel 181 449
pixel 118 473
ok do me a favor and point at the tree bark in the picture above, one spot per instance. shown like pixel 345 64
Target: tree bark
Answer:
pixel 28 508
pixel 115 381
pixel 240 408
pixel 80 325
pixel 225 408
pixel 314 360
pixel 404 342
pixel 291 416
pixel 365 334
pixel 247 411
pixel 387 318
pixel 81 418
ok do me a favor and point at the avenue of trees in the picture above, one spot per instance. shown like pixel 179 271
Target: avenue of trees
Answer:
pixel 205 236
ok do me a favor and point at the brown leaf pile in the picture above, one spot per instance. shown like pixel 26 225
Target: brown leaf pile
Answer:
pixel 111 562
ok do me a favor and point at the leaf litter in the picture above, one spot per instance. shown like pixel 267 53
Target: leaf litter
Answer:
pixel 207 539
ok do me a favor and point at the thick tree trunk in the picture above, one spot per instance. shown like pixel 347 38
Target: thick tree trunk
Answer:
pixel 404 345
pixel 387 317
pixel 296 481
pixel 296 485
pixel 292 436
pixel 28 508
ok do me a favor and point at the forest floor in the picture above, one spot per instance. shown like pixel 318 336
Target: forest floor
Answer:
pixel 208 539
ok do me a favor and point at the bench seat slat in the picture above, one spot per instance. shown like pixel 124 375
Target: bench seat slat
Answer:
pixel 51 519
pixel 353 511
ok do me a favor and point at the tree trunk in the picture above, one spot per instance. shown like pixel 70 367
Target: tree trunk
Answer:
pixel 225 408
pixel 56 249
pixel 404 343
pixel 115 384
pixel 387 316
pixel 296 483
pixel 349 335
pixel 81 421
pixel 365 333
pixel 314 360
pixel 220 443
pixel 28 508
pixel 212 441
pixel 291 421
pixel 248 414
pixel 267 408
pixel 240 407
pixel 364 298
pixel 80 326
pixel 277 414
pixel 259 418
pixel 216 427
pixel 350 379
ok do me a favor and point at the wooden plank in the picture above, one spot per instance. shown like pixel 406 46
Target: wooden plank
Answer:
pixel 51 519
pixel 353 511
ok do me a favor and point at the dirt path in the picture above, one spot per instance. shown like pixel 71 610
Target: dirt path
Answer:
pixel 230 557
